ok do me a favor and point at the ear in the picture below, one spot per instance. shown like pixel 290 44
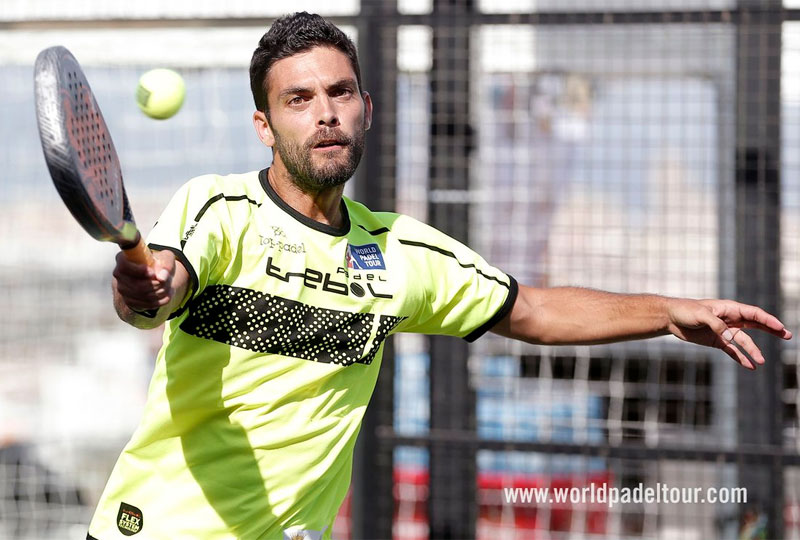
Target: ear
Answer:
pixel 263 129
pixel 367 109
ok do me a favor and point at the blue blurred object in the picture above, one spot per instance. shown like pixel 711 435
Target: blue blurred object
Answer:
pixel 508 408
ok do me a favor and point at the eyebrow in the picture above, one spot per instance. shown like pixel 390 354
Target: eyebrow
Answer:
pixel 294 90
pixel 344 83
pixel 341 83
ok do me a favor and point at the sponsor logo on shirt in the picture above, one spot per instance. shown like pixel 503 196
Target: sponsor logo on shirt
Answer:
pixel 303 534
pixel 189 233
pixel 280 245
pixel 327 282
pixel 129 519
pixel 366 257
pixel 279 242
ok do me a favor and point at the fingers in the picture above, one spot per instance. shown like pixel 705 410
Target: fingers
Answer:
pixel 164 265
pixel 738 357
pixel 733 341
pixel 755 317
pixel 717 325
pixel 785 333
pixel 145 287
pixel 740 315
pixel 745 343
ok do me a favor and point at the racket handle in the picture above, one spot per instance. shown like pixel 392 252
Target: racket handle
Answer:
pixel 139 254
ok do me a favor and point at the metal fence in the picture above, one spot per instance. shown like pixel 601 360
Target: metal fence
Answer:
pixel 624 145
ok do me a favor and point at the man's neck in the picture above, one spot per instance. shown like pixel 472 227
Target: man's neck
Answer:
pixel 323 206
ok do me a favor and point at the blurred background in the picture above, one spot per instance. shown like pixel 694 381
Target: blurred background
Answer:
pixel 628 145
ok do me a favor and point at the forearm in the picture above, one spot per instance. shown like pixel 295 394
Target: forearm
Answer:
pixel 569 315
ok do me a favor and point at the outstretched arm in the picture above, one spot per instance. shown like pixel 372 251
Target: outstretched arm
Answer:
pixel 568 315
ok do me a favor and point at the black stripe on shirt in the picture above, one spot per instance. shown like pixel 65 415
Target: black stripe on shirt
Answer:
pixel 209 202
pixel 451 254
pixel 376 232
pixel 220 196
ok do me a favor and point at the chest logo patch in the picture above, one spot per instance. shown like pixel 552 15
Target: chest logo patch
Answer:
pixel 366 257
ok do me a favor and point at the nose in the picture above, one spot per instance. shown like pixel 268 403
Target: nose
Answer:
pixel 327 115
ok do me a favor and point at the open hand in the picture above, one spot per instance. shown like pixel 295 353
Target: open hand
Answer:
pixel 720 324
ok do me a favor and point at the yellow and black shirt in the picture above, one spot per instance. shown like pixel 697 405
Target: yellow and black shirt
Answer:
pixel 266 370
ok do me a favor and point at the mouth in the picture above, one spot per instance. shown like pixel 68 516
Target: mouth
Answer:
pixel 330 144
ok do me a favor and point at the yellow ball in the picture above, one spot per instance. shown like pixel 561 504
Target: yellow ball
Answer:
pixel 160 93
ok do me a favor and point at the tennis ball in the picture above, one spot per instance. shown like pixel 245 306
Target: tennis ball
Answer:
pixel 160 93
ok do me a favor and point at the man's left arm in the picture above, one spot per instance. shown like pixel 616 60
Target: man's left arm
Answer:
pixel 576 316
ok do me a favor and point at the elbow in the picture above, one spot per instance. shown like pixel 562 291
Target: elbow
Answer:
pixel 538 322
pixel 536 334
pixel 526 321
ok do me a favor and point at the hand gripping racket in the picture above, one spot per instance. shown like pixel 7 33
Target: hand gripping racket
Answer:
pixel 80 154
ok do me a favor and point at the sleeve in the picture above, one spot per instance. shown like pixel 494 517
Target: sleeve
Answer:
pixel 461 294
pixel 194 231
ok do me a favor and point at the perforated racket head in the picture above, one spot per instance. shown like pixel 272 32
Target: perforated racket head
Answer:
pixel 78 149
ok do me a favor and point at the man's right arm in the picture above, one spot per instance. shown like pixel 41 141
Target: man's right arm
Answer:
pixel 140 289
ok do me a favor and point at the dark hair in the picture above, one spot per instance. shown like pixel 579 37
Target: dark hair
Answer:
pixel 289 35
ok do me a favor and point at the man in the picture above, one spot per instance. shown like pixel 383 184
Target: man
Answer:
pixel 279 294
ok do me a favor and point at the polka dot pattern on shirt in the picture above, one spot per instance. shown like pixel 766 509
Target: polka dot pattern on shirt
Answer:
pixel 270 324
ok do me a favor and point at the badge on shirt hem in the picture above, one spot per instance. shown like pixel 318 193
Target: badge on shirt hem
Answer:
pixel 129 519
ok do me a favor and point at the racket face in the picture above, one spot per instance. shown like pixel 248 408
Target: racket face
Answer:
pixel 78 149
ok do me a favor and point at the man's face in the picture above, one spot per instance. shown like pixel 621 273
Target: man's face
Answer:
pixel 317 118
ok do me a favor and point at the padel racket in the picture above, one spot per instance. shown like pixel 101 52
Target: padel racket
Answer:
pixel 80 154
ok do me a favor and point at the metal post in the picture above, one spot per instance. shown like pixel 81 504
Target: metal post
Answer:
pixel 759 411
pixel 452 503
pixel 372 507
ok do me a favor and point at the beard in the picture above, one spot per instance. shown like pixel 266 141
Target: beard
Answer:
pixel 337 165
